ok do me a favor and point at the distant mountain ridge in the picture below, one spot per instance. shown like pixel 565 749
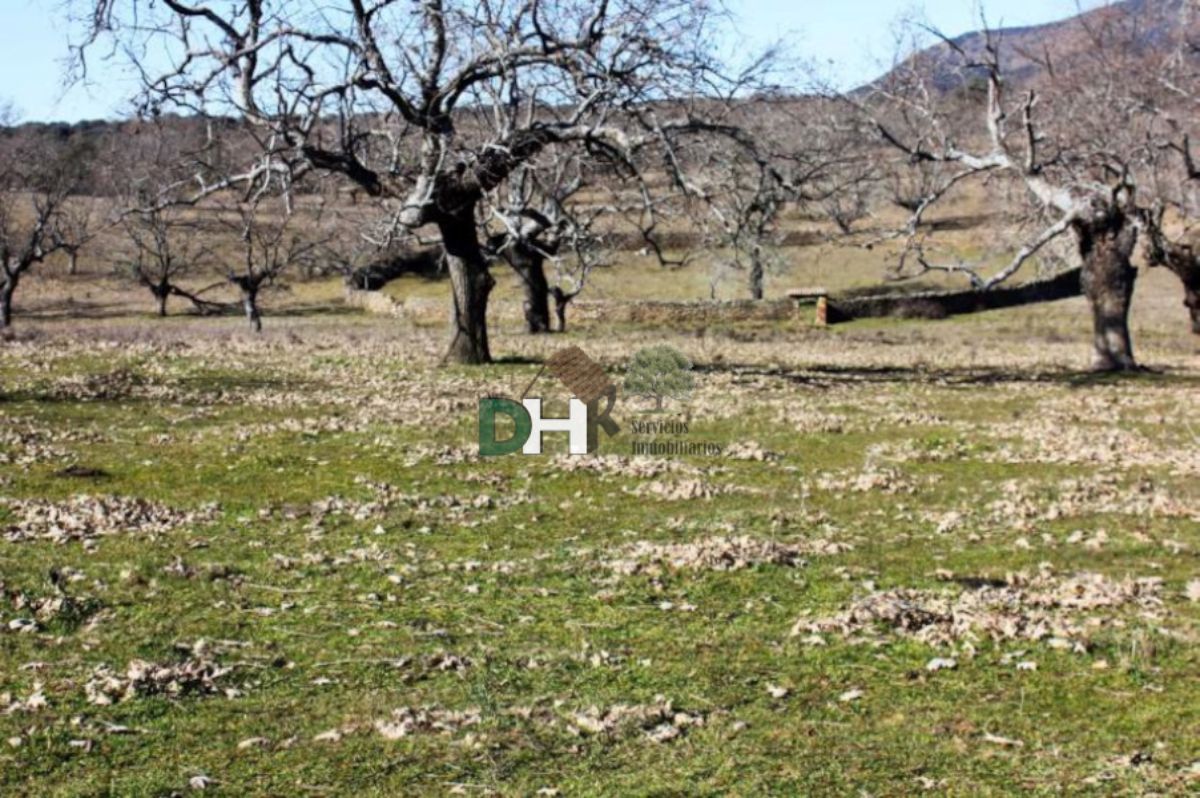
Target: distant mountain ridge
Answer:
pixel 1026 52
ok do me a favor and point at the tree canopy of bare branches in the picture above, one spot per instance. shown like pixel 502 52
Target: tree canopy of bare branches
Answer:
pixel 433 105
pixel 549 212
pixel 271 244
pixel 34 193
pixel 1078 143
pixel 163 249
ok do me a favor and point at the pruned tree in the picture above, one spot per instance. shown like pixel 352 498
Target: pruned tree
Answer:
pixel 26 239
pixel 909 185
pixel 588 252
pixel 1172 91
pixel 76 229
pixel 837 170
pixel 33 193
pixel 163 249
pixel 793 154
pixel 1077 162
pixel 848 206
pixel 542 219
pixel 270 244
pixel 747 214
pixel 482 88
pixel 1179 254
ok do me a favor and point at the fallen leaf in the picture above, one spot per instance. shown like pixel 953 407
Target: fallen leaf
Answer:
pixel 1004 741
pixel 253 742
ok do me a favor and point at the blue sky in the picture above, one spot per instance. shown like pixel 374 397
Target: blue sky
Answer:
pixel 851 39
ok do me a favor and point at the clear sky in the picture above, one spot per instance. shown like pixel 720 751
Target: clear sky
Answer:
pixel 851 39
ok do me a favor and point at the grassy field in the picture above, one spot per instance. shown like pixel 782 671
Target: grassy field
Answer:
pixel 932 557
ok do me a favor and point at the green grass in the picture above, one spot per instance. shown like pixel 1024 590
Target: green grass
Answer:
pixel 335 626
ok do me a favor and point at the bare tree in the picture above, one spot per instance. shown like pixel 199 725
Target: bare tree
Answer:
pixel 1180 255
pixel 271 244
pixel 1077 165
pixel 481 87
pixel 747 214
pixel 1172 91
pixel 33 193
pixel 848 206
pixel 77 227
pixel 542 218
pixel 588 252
pixel 909 184
pixel 164 248
pixel 793 153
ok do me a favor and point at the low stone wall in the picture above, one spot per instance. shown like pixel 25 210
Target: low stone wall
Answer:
pixel 594 312
pixel 701 314
pixel 694 314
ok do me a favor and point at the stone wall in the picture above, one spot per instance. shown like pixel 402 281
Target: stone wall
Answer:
pixel 588 313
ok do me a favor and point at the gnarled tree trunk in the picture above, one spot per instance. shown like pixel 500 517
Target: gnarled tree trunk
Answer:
pixel 7 289
pixel 1188 273
pixel 249 286
pixel 250 304
pixel 757 276
pixel 1106 245
pixel 561 300
pixel 1184 263
pixel 470 282
pixel 161 293
pixel 530 266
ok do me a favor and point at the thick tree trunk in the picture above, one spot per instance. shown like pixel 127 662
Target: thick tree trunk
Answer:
pixel 249 284
pixel 756 276
pixel 561 300
pixel 1191 299
pixel 470 285
pixel 7 289
pixel 1106 246
pixel 250 304
pixel 161 295
pixel 531 267
pixel 1184 263
pixel 72 262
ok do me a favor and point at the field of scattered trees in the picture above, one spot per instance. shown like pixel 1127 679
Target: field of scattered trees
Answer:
pixel 946 543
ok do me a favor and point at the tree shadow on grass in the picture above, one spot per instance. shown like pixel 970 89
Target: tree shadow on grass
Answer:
pixel 202 386
pixel 828 375
pixel 65 309
pixel 517 360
